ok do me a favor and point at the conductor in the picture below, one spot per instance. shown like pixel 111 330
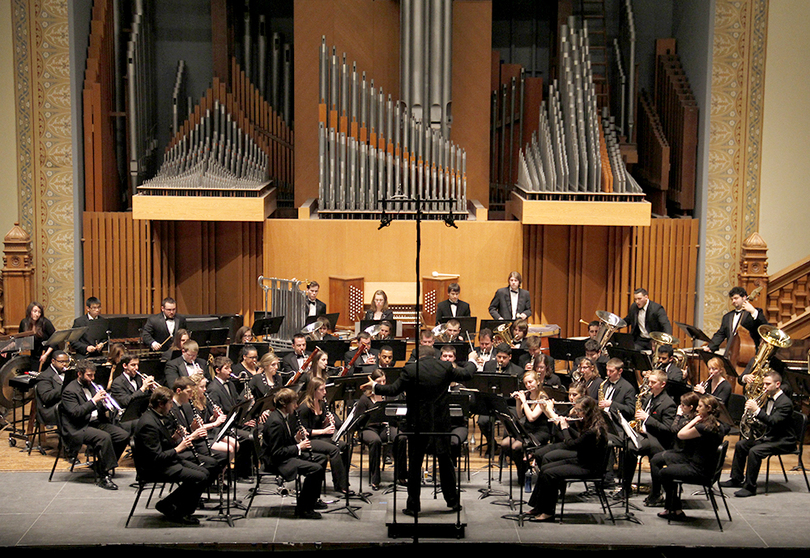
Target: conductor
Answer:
pixel 426 392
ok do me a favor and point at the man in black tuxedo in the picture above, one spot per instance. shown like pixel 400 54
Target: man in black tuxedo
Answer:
pixel 502 363
pixel 452 307
pixel 290 454
pixel 184 365
pixel 85 345
pixel 367 361
pixel 425 384
pixel 485 351
pixel 129 388
pixel 619 394
pixel 49 386
pixel 644 317
pixel 654 420
pixel 86 420
pixel 512 302
pixel 292 362
pixel 744 315
pixel 159 329
pixel 161 453
pixel 314 306
pixel 777 417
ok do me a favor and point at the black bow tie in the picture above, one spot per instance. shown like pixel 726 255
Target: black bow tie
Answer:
pixel 454 303
pixel 311 301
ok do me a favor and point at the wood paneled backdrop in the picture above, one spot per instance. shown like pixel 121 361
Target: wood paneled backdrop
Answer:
pixel 570 271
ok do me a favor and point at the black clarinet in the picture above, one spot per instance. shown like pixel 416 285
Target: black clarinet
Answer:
pixel 304 453
pixel 179 428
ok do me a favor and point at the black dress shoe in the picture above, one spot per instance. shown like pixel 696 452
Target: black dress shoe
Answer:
pixel 731 483
pixel 308 514
pixel 107 484
pixel 320 505
pixel 409 512
pixel 454 506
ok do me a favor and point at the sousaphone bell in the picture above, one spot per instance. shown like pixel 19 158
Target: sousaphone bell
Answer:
pixel 610 323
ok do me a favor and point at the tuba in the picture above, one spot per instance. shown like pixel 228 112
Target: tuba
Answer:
pixel 610 323
pixel 751 428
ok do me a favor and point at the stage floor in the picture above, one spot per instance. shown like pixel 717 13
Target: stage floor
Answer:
pixel 72 512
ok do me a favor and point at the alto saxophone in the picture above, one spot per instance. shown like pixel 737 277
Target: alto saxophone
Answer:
pixel 643 391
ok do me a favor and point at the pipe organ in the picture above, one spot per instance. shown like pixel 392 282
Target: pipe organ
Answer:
pixel 576 147
pixel 377 154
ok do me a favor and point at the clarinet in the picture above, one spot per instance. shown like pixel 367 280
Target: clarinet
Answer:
pixel 179 428
pixel 304 453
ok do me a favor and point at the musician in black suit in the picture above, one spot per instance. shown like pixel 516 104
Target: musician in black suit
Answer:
pixel 367 361
pixel 425 384
pixel 654 425
pixel 314 306
pixel 777 417
pixel 644 317
pixel 224 393
pixel 292 362
pixel 184 365
pixel 130 387
pixel 502 363
pixel 86 346
pixel 744 314
pixel 86 420
pixel 291 454
pixel 512 302
pixel 665 360
pixel 160 452
pixel 619 394
pixel 160 328
pixel 452 307
pixel 485 351
pixel 49 386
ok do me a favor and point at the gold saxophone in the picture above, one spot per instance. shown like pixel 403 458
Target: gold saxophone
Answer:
pixel 643 391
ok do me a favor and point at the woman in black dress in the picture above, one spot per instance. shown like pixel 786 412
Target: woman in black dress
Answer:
pixel 701 436
pixel 530 412
pixel 320 424
pixel 379 307
pixel 42 327
pixel 716 384
pixel 266 377
pixel 589 443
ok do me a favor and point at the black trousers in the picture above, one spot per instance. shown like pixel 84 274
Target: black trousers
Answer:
pixel 107 440
pixel 418 446
pixel 748 456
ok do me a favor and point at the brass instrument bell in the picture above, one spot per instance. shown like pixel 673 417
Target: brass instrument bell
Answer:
pixel 610 323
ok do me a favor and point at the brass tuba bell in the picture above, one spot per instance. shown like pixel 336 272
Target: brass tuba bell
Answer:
pixel 610 323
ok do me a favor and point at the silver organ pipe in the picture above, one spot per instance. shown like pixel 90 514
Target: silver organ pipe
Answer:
pixel 376 153
pixel 576 147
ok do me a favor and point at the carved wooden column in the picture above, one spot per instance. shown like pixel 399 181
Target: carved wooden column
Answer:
pixel 18 278
pixel 754 272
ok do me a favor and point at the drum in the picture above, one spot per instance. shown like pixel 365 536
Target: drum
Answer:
pixel 15 367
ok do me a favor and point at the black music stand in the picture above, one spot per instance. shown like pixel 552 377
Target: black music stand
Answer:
pixel 347 428
pixel 333 319
pixel 728 368
pixel 235 417
pixel 518 432
pixel 97 330
pixel 335 348
pixel 399 346
pixel 267 325
pixel 234 349
pixel 217 336
pixel 629 436
pixel 694 332
pixel 65 336
pixel 633 361
pixel 492 405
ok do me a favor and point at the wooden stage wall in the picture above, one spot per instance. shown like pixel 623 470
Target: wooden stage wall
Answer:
pixel 209 267
pixel 570 271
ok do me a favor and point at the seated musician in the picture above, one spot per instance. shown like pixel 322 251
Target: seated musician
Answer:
pixel 543 367
pixel 49 387
pixel 161 455
pixel 366 361
pixel 315 307
pixel 533 347
pixel 511 302
pixel 212 415
pixel 653 420
pixel 619 394
pixel 716 384
pixel 130 387
pixel 244 335
pixel 290 454
pixel 452 332
pixel 426 339
pixel 87 419
pixel 178 340
pixel 502 364
pixel 701 437
pixel 459 425
pixel 224 394
pixel 159 329
pixel 325 329
pixel 519 330
pixel 588 444
pixel 385 330
pixel 589 377
pixel 379 308
pixel 267 378
pixel 320 424
pixel 593 352
pixel 184 365
pixel 535 422
pixel 386 357
pixel 776 417
pixel 187 416
pixel 85 346
pixel 375 434
pixel 292 362
pixel 666 362
pixel 593 329
pixel 484 352
pixel 248 363
pixel 452 307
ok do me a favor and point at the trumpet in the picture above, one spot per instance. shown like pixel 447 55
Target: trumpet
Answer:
pixel 109 402
pixel 148 379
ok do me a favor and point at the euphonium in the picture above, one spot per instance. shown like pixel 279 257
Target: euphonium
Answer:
pixel 503 334
pixel 773 338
